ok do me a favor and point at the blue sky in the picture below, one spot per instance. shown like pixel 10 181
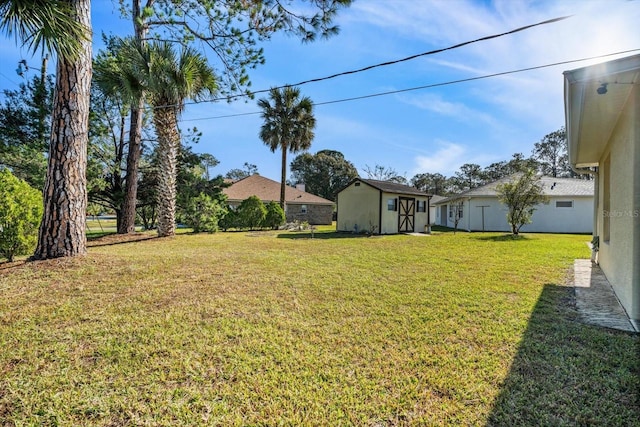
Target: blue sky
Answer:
pixel 429 130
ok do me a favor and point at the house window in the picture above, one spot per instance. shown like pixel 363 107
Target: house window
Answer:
pixel 455 209
pixel 392 204
pixel 357 184
pixel 303 209
pixel 422 206
pixel 564 203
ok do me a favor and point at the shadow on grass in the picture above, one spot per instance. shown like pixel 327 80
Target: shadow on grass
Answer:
pixel 568 373
pixel 321 235
pixel 503 238
pixel 111 239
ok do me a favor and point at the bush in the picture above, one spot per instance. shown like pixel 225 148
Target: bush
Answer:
pixel 20 215
pixel 251 213
pixel 275 215
pixel 201 213
pixel 228 220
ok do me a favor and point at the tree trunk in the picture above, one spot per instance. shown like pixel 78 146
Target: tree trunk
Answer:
pixel 62 231
pixel 166 125
pixel 128 223
pixel 283 178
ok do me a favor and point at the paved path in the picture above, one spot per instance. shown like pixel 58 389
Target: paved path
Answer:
pixel 595 300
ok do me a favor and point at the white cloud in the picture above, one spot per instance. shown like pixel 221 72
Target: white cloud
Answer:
pixel 445 160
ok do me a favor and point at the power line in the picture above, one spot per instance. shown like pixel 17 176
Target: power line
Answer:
pixel 429 86
pixel 382 64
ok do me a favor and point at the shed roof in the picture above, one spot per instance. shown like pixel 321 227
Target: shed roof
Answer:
pixel 390 187
pixel 269 190
pixel 552 187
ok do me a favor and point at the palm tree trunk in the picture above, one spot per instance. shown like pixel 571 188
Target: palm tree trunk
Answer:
pixel 283 178
pixel 166 125
pixel 62 231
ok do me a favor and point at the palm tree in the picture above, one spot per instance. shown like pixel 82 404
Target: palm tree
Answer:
pixel 62 26
pixel 171 79
pixel 288 125
pixel 47 24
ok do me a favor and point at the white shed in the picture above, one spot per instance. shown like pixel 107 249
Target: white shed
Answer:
pixel 382 207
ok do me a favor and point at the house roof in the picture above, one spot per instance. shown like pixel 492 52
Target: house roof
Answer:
pixel 269 190
pixel 552 187
pixel 390 187
pixel 594 99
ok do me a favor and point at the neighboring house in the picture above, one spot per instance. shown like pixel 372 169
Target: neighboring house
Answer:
pixel 602 107
pixel 381 207
pixel 299 205
pixel 433 208
pixel 570 209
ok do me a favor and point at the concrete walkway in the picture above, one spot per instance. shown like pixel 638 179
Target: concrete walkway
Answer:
pixel 596 302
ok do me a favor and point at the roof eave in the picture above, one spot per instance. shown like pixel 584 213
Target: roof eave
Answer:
pixel 590 115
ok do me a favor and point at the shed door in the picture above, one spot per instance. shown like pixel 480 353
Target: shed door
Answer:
pixel 406 215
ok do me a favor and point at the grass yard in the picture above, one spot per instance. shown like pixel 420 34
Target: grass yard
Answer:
pixel 276 328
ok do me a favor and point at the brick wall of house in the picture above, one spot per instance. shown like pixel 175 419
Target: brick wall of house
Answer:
pixel 316 214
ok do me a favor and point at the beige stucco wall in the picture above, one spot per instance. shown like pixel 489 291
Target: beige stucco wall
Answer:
pixel 619 257
pixel 358 208
pixel 362 205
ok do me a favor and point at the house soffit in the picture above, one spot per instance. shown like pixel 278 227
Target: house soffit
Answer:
pixel 591 116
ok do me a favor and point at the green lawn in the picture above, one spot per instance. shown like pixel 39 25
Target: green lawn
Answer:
pixel 276 328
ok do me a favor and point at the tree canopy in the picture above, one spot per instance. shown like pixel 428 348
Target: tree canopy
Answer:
pixel 521 195
pixel 324 173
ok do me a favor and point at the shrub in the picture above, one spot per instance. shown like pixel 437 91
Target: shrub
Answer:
pixel 201 213
pixel 20 215
pixel 275 215
pixel 228 220
pixel 251 213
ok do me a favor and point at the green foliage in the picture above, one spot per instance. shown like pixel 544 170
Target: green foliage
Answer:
pixel 288 125
pixel 324 173
pixel 228 220
pixel 521 195
pixel 551 152
pixel 25 118
pixel 275 216
pixel 20 214
pixel 44 24
pixel 251 213
pixel 201 213
pixel 232 29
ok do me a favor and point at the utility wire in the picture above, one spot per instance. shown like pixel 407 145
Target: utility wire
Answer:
pixel 451 82
pixel 382 64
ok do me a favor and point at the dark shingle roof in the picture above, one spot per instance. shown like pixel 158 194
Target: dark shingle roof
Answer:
pixel 391 187
pixel 558 187
pixel 268 190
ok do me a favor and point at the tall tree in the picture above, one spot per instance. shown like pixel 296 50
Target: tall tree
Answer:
pixel 231 30
pixel 288 125
pixel 521 195
pixel 64 27
pixel 25 120
pixel 384 173
pixel 551 152
pixel 171 79
pixel 324 173
pixel 469 177
pixel 238 174
pixel 432 183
